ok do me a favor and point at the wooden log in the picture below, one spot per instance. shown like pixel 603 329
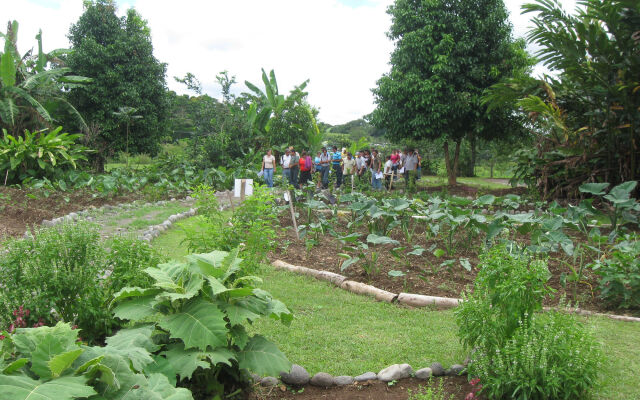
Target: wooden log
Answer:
pixel 362 288
pixel 418 300
pixel 233 208
pixel 588 313
pixel 334 278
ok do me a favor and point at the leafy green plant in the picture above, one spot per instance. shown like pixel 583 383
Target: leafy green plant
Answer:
pixel 518 353
pixel 49 363
pixel 620 274
pixel 251 225
pixel 434 391
pixel 39 154
pixel 200 308
pixel 623 208
pixel 67 273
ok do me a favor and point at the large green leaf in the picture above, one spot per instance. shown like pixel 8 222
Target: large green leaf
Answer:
pixel 24 388
pixel 62 362
pixel 8 69
pixel 159 388
pixel 14 366
pixel 184 361
pixel 220 355
pixel 134 344
pixel 49 347
pixel 136 308
pixel 263 357
pixel 199 324
pixel 375 239
pixel 238 314
pixel 596 189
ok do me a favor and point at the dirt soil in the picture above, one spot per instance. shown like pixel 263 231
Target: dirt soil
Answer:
pixel 22 209
pixel 455 387
pixel 424 274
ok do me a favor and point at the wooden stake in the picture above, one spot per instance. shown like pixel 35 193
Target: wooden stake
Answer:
pixel 233 208
pixel 293 215
pixel 243 183
pixel 6 176
pixel 391 180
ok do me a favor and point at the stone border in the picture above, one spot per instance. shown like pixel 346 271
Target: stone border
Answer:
pixel 298 376
pixel 410 299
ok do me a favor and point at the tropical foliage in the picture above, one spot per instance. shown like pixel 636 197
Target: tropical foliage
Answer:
pixel 31 86
pixel 585 119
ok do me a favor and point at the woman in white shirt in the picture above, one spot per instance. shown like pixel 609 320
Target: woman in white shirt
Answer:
pixel 268 165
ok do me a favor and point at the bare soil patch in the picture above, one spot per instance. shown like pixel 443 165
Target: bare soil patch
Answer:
pixel 22 209
pixel 455 387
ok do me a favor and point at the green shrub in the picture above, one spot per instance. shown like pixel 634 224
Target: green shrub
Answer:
pixel 39 154
pixel 251 226
pixel 620 274
pixel 200 309
pixel 518 353
pixel 549 356
pixel 67 273
pixel 50 363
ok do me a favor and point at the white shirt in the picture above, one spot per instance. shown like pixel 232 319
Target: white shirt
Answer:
pixel 286 160
pixel 387 167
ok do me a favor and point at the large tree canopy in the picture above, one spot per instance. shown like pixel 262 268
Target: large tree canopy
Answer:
pixel 447 53
pixel 118 54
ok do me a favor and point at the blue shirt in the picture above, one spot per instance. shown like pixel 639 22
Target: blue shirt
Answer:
pixel 336 158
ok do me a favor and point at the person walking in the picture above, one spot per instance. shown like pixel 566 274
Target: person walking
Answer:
pixel 388 172
pixel 348 169
pixel 285 161
pixel 360 162
pixel 336 163
pixel 376 181
pixel 324 167
pixel 268 165
pixel 294 166
pixel 305 168
pixel 410 166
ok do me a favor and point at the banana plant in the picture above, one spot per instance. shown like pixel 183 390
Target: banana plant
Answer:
pixel 29 93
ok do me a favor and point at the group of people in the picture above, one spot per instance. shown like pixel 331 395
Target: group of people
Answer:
pixel 297 169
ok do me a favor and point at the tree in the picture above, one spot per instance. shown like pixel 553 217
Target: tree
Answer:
pixel 585 120
pixel 128 116
pixel 447 53
pixel 118 54
pixel 31 86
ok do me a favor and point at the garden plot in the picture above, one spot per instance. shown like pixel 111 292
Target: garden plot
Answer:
pixel 380 242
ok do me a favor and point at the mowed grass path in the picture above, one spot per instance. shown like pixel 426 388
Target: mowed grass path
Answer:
pixel 341 333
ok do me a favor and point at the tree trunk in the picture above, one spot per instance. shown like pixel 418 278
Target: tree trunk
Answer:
pixel 452 170
pixel 491 163
pixel 472 167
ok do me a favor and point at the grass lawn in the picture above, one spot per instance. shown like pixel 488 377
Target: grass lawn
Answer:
pixel 146 216
pixel 338 332
pixel 476 182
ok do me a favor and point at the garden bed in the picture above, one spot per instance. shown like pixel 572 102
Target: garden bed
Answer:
pixel 21 209
pixel 424 274
pixel 454 388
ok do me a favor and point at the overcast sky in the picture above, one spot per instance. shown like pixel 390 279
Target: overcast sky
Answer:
pixel 340 45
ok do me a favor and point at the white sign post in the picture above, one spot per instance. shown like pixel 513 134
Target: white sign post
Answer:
pixel 242 188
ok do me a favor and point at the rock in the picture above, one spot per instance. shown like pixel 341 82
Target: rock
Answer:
pixel 173 218
pixel 46 222
pixel 343 380
pixel 395 372
pixel 322 379
pixel 367 376
pixel 424 373
pixel 437 369
pixel 188 198
pixel 467 361
pixel 268 381
pixel 484 211
pixel 297 377
pixel 455 370
pixel 90 219
pixel 255 378
pixel 173 199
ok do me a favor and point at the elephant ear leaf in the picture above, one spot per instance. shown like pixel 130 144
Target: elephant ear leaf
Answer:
pixel 22 388
pixel 596 189
pixel 263 357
